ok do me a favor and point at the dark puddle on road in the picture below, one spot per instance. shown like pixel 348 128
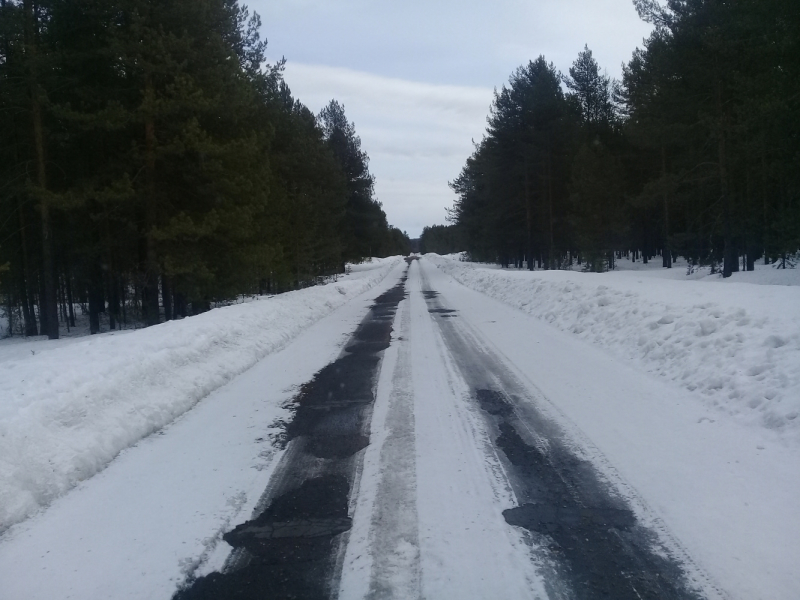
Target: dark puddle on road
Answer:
pixel 599 549
pixel 289 550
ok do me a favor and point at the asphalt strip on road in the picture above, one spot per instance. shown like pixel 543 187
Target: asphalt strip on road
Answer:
pixel 580 537
pixel 587 539
pixel 291 546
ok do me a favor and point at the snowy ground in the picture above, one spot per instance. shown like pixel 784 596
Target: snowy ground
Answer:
pixel 714 477
pixel 68 407
pixel 722 488
pixel 734 342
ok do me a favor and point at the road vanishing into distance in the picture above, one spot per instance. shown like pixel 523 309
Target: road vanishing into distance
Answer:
pixel 422 463
pixel 425 441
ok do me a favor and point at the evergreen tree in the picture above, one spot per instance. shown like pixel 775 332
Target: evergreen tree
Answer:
pixel 592 91
pixel 513 195
pixel 441 239
pixel 178 166
pixel 365 222
pixel 694 153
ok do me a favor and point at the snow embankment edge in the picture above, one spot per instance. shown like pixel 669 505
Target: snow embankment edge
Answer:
pixel 709 338
pixel 66 413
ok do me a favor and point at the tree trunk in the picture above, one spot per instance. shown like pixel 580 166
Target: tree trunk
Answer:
pixel 180 305
pixel 667 252
pixel 70 302
pixel 150 299
pixel 27 315
pixel 528 216
pixel 49 303
pixel 729 261
pixel 110 275
pixel 94 313
pixel 764 199
pixel 26 280
pixel 111 292
pixel 166 294
pixel 123 299
pixel 96 297
pixel 10 313
pixel 61 302
pixel 550 261
pixel 39 303
pixel 645 247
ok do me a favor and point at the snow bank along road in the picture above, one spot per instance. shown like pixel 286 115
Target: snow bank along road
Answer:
pixel 67 408
pixel 448 446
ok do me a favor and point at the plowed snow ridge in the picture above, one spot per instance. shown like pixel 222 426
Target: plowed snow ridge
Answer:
pixel 736 345
pixel 65 413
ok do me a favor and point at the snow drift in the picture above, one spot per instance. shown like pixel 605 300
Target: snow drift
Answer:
pixel 736 345
pixel 65 413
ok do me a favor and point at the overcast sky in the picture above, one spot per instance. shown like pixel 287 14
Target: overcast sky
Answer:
pixel 417 77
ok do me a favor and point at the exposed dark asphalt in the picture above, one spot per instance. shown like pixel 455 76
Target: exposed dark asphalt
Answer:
pixel 586 538
pixel 291 547
pixel 593 546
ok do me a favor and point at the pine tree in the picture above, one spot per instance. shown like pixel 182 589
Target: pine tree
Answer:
pixel 365 222
pixel 593 93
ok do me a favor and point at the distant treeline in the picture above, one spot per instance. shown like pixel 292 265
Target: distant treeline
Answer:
pixel 695 153
pixel 151 163
pixel 441 239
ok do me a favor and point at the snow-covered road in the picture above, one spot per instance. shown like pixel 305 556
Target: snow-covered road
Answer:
pixel 432 526
pixel 505 459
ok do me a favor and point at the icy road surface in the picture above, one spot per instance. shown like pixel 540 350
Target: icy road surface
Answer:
pixel 426 441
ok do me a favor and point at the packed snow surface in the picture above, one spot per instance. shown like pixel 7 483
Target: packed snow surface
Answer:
pixel 720 491
pixel 734 342
pixel 67 409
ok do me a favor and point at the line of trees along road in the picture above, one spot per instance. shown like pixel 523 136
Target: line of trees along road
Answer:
pixel 695 153
pixel 441 239
pixel 151 162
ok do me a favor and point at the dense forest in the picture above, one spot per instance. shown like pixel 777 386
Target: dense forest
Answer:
pixel 694 153
pixel 441 239
pixel 152 162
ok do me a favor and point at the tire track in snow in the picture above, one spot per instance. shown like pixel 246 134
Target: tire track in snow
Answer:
pixel 467 550
pixel 294 545
pixel 382 559
pixel 587 538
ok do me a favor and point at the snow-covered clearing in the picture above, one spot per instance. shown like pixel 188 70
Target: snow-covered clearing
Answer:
pixel 735 343
pixel 68 408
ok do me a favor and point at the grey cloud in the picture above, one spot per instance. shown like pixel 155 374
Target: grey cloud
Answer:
pixel 417 76
pixel 448 41
pixel 417 135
